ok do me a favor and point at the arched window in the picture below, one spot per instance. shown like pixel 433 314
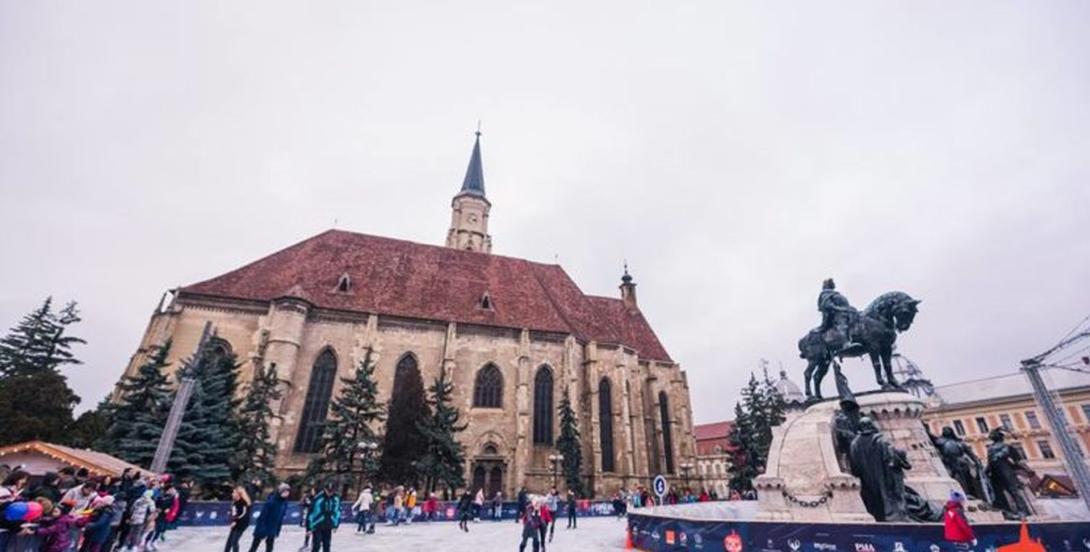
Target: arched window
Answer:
pixel 543 406
pixel 605 423
pixel 667 438
pixel 316 404
pixel 488 389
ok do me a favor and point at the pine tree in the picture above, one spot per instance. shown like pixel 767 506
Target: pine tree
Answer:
pixel 35 400
pixel 255 454
pixel 39 342
pixel 444 460
pixel 403 444
pixel 138 416
pixel 208 433
pixel 569 446
pixel 354 414
pixel 761 408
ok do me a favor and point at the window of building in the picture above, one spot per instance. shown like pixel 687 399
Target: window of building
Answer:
pixel 959 427
pixel 667 434
pixel 982 424
pixel 1005 419
pixel 605 423
pixel 543 406
pixel 1086 412
pixel 316 404
pixel 1031 418
pixel 344 283
pixel 486 301
pixel 1046 450
pixel 488 387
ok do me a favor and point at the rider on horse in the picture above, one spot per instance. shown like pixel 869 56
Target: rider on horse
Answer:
pixel 836 314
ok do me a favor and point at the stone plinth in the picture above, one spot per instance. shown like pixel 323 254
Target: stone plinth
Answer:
pixel 805 481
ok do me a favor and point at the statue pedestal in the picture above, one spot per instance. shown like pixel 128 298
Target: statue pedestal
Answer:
pixel 804 479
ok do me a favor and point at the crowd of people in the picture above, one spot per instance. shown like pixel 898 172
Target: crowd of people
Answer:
pixel 69 510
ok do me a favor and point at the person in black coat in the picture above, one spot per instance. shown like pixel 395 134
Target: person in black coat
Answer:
pixel 241 510
pixel 271 520
pixel 465 511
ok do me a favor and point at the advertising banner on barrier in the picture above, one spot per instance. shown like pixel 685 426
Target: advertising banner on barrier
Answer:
pixel 215 513
pixel 662 534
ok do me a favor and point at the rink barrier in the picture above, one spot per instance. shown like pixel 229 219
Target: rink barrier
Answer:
pixel 202 513
pixel 657 534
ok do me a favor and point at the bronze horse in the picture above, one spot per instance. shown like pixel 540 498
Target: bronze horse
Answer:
pixel 872 332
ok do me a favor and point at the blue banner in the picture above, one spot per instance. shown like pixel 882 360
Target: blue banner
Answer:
pixel 215 513
pixel 667 534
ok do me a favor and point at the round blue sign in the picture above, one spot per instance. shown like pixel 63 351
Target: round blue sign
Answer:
pixel 659 486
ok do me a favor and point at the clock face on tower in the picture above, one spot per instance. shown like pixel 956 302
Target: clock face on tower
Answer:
pixel 472 218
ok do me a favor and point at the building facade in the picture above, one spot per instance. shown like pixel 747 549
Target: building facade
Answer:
pixel 974 408
pixel 713 453
pixel 514 335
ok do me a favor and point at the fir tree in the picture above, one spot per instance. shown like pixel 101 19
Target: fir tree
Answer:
pixel 40 342
pixel 761 409
pixel 354 414
pixel 208 433
pixel 403 444
pixel 569 446
pixel 255 455
pixel 138 416
pixel 444 460
pixel 35 400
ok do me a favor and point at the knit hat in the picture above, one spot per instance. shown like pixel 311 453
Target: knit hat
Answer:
pixel 956 496
pixel 102 501
pixel 283 487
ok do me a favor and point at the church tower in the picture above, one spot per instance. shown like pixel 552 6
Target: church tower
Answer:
pixel 469 209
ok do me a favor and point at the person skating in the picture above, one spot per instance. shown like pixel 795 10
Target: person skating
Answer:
pixel 956 526
pixel 141 517
pixel 465 510
pixel 410 505
pixel 271 520
pixel 531 525
pixel 571 509
pixel 305 504
pixel 552 501
pixel 241 512
pixel 325 518
pixel 497 506
pixel 546 519
pixel 478 505
pixel 362 506
pixel 522 503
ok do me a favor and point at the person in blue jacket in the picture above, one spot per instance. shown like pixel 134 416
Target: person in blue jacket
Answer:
pixel 272 518
pixel 324 518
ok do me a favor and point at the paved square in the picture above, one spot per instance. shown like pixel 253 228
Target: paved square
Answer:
pixel 593 534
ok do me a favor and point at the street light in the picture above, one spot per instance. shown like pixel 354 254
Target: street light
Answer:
pixel 556 459
pixel 368 448
pixel 686 467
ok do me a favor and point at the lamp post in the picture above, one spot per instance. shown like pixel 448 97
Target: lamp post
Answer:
pixel 368 449
pixel 686 467
pixel 556 459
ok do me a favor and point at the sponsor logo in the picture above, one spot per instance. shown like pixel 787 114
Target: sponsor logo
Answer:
pixel 935 548
pixel 670 537
pixel 655 535
pixel 683 538
pixel 732 542
pixel 770 546
pixel 898 547
pixel 864 547
pixel 794 545
pixel 825 546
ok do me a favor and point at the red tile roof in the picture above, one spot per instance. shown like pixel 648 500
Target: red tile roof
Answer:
pixel 402 278
pixel 714 430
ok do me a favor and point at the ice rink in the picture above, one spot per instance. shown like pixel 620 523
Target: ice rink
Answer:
pixel 593 534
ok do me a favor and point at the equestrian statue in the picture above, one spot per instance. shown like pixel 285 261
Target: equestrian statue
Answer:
pixel 847 332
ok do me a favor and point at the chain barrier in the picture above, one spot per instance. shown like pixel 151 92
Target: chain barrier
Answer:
pixel 808 503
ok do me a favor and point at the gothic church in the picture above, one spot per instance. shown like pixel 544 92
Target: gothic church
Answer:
pixel 514 334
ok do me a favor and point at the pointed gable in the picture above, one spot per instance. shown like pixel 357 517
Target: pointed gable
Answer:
pixel 402 278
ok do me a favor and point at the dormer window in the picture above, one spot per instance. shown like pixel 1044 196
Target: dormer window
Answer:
pixel 344 283
pixel 486 301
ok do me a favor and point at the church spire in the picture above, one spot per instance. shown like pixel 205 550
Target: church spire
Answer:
pixel 470 208
pixel 473 184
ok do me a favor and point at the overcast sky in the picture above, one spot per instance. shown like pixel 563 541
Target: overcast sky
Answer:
pixel 735 153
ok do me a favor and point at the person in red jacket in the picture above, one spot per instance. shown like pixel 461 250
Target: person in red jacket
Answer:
pixel 957 529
